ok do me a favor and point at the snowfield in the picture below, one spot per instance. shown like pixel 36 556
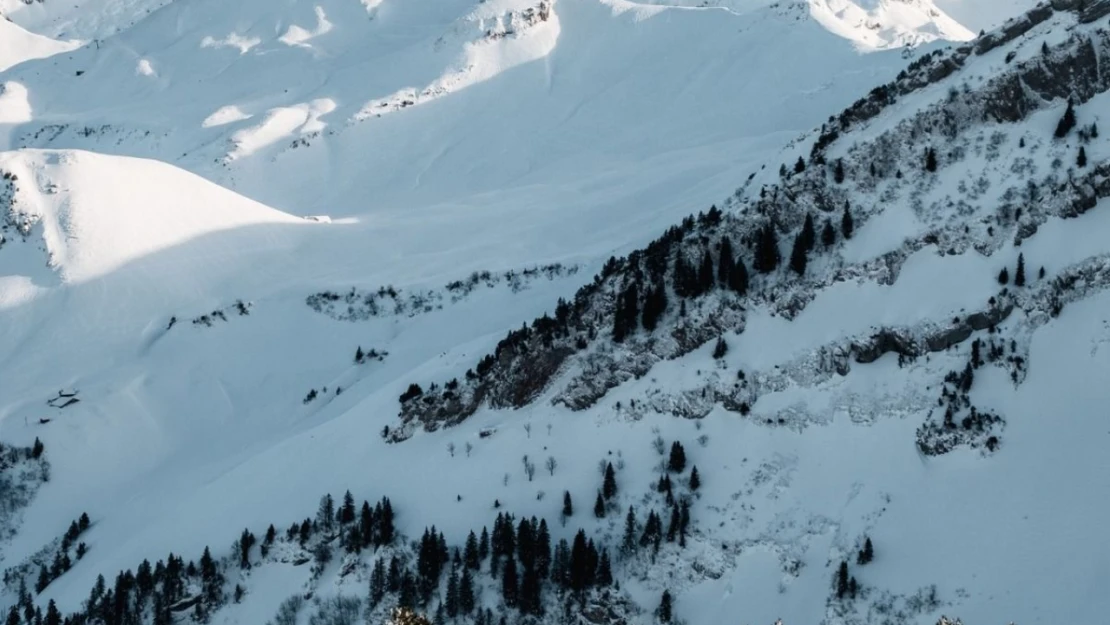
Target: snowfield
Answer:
pixel 233 235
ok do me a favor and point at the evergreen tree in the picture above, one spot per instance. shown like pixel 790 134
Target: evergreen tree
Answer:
pixel 384 518
pixel 930 159
pixel 867 553
pixel 599 507
pixel 483 545
pixel 609 485
pixel 655 304
pixel 53 616
pixel 466 592
pixel 847 224
pixel 838 172
pixel 1019 275
pixel 1067 122
pixel 720 349
pixel 628 544
pixel 798 256
pixel 738 280
pixel 366 524
pixel 853 587
pixel 799 166
pixel 13 616
pixel 828 234
pixel 43 580
pixel 1081 160
pixel 677 461
pixel 377 582
pixel 37 449
pixel 470 553
pixel 451 601
pixel 568 507
pixel 726 263
pixel 675 524
pixel 706 275
pixel 626 316
pixel 510 590
pixel 325 516
pixel 542 548
pixel 842 580
pixel 359 356
pixel 695 479
pixel 581 571
pixel 1004 276
pixel 604 570
pixel 809 233
pixel 663 612
pixel 767 250
pixel 530 592
pixel 347 512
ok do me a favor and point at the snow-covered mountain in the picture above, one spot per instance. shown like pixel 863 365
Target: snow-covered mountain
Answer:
pixel 253 253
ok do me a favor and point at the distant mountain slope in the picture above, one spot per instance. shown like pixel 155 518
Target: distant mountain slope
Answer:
pixel 862 381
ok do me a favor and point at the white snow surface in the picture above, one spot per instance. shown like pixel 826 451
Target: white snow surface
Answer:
pixel 165 181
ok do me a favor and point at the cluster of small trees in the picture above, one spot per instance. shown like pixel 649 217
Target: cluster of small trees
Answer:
pixel 62 560
pixel 1019 273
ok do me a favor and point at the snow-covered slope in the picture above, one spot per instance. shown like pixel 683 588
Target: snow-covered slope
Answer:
pixel 17 45
pixel 198 358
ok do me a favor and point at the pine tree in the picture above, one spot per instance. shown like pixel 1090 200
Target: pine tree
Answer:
pixel 828 234
pixel 366 524
pixel 470 553
pixel 43 580
pixel 1081 160
pixel 1019 275
pixel 568 507
pixel 609 485
pixel 798 256
pixel 799 166
pixel 377 582
pixel 359 356
pixel 385 523
pixel 466 592
pixel 599 506
pixel 842 580
pixel 510 589
pixel 663 612
pixel 626 317
pixel 720 349
pixel 847 225
pixel 13 616
pixel 451 601
pixel 604 570
pixel 53 616
pixel 677 461
pixel 347 512
pixel 738 281
pixel 674 525
pixel 655 304
pixel 325 516
pixel 809 233
pixel 37 448
pixel 838 172
pixel 706 275
pixel 930 159
pixel 628 544
pixel 726 262
pixel 767 250
pixel 695 479
pixel 867 553
pixel 1067 122
pixel 1004 276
